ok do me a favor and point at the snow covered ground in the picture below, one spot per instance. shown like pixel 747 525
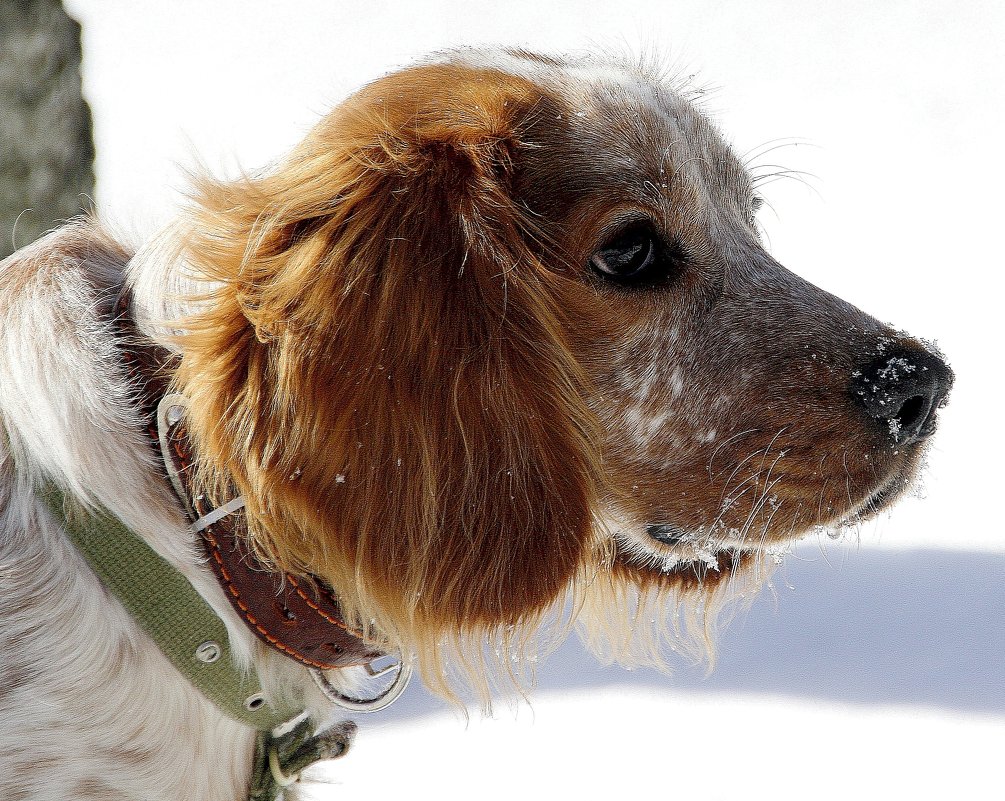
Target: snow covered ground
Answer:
pixel 873 673
pixel 874 668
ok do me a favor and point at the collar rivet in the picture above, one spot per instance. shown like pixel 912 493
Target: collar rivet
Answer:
pixel 208 652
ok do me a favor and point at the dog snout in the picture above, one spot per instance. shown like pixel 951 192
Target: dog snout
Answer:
pixel 901 391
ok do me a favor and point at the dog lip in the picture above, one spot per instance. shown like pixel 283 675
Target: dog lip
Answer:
pixel 705 565
pixel 677 538
pixel 667 533
pixel 880 499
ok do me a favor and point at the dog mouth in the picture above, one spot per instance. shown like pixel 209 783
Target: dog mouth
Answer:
pixel 672 558
pixel 674 554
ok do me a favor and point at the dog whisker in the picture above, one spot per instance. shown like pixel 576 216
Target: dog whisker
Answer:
pixel 759 151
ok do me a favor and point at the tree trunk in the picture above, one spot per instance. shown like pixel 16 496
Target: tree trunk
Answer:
pixel 46 146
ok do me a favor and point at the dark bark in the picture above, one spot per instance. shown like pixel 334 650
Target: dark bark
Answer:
pixel 46 144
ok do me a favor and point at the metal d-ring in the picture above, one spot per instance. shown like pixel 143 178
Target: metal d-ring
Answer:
pixel 379 701
pixel 170 411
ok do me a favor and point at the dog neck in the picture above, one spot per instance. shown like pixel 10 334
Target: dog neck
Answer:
pixel 297 616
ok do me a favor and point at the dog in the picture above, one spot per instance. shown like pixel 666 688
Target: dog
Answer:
pixel 496 346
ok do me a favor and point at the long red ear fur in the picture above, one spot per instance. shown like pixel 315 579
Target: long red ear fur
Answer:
pixel 381 366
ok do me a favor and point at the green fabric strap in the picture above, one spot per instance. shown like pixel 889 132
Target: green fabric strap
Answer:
pixel 168 608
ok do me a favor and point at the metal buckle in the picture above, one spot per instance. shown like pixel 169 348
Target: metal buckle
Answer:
pixel 380 701
pixel 170 411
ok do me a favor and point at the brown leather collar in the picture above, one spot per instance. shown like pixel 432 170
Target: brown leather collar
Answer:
pixel 298 617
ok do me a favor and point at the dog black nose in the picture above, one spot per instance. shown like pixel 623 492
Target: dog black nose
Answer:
pixel 902 390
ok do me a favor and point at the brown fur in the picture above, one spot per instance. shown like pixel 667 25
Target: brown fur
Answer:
pixel 389 382
pixel 426 400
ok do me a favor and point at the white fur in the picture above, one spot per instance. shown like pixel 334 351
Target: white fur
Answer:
pixel 91 709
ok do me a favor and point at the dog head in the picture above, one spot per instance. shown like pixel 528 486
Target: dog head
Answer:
pixel 502 327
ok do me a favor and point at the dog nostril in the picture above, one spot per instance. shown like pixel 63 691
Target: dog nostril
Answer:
pixel 912 415
pixel 902 390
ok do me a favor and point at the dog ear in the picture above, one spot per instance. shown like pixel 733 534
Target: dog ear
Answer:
pixel 383 365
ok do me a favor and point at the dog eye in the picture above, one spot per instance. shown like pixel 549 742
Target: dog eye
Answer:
pixel 632 257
